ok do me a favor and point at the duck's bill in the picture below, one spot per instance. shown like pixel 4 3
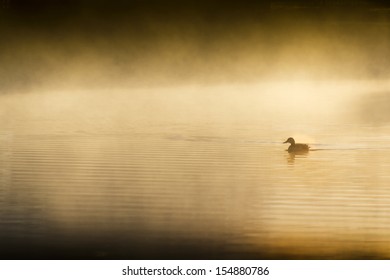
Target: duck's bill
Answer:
pixel 285 142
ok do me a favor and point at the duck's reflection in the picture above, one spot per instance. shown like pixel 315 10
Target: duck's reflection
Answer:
pixel 291 156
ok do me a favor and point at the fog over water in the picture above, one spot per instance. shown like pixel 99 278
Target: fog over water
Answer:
pixel 155 129
pixel 145 43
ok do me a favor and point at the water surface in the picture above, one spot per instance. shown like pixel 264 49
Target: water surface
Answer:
pixel 196 172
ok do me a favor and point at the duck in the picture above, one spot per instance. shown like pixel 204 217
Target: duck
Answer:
pixel 296 148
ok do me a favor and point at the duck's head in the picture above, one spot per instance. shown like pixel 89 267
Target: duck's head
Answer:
pixel 290 140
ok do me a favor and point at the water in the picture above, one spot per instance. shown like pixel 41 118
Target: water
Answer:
pixel 196 172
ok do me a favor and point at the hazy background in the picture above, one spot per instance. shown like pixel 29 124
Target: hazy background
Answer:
pixel 84 44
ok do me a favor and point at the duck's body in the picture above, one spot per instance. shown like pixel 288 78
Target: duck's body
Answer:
pixel 296 147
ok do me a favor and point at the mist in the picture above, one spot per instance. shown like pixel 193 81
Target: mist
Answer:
pixel 151 43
